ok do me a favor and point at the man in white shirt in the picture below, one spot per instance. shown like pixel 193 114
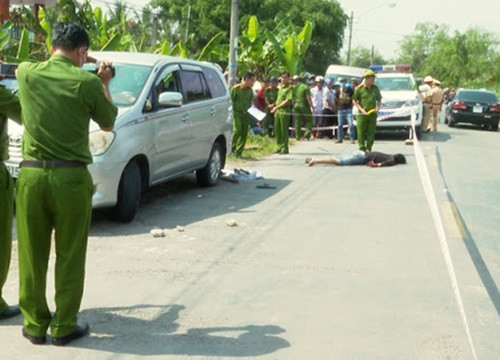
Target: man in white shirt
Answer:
pixel 317 100
pixel 328 107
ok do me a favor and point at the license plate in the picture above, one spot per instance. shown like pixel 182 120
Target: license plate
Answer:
pixel 13 170
pixel 477 109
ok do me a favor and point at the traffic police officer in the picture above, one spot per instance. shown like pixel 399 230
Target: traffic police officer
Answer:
pixel 425 90
pixel 368 100
pixel 282 114
pixel 9 108
pixel 242 96
pixel 54 188
pixel 302 108
pixel 436 97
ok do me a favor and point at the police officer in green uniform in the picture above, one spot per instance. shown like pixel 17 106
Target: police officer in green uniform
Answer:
pixel 302 108
pixel 270 95
pixel 242 96
pixel 368 100
pixel 54 188
pixel 282 115
pixel 9 108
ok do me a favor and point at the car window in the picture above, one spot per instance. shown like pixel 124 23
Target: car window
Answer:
pixel 477 96
pixel 168 81
pixel 10 84
pixel 394 83
pixel 194 87
pixel 215 84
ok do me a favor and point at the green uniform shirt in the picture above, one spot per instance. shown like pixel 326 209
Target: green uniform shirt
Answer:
pixel 9 108
pixel 367 97
pixel 300 93
pixel 242 98
pixel 271 95
pixel 58 100
pixel 284 93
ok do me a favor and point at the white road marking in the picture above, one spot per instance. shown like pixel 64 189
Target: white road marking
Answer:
pixel 438 223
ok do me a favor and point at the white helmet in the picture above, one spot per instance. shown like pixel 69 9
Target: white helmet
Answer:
pixel 320 78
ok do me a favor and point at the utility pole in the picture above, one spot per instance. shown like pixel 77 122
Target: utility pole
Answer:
pixel 372 55
pixel 350 38
pixel 155 31
pixel 187 23
pixel 233 43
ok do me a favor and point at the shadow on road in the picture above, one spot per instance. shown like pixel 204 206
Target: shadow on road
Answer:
pixel 435 136
pixel 183 202
pixel 134 330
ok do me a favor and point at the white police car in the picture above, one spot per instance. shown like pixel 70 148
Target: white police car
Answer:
pixel 400 98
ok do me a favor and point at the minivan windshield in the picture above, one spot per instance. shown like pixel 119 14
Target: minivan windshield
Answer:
pixel 403 83
pixel 128 82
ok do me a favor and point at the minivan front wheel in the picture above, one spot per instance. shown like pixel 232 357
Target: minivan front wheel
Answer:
pixel 209 175
pixel 129 194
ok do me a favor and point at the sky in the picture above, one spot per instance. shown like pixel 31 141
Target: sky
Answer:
pixel 378 24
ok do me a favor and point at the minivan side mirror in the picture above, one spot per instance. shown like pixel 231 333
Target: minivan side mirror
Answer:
pixel 170 99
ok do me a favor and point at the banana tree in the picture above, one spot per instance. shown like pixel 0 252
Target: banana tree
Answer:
pixel 290 48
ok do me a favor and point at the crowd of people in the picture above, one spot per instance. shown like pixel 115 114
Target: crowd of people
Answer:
pixel 300 107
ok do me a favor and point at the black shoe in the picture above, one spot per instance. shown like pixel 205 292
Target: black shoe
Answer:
pixel 284 152
pixel 79 332
pixel 338 141
pixel 9 312
pixel 277 152
pixel 35 340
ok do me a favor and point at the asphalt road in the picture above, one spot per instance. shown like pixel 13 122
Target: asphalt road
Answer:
pixel 331 263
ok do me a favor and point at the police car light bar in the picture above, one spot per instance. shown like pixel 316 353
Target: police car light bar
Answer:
pixel 390 68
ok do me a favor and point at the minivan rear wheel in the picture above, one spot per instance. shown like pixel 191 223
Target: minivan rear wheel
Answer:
pixel 129 194
pixel 209 175
pixel 494 127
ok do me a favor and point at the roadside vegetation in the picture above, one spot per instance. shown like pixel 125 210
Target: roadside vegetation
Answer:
pixel 257 147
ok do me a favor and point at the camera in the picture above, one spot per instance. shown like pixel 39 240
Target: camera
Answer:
pixel 8 69
pixel 94 68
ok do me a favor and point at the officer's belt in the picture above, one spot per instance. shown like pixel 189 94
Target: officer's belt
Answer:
pixel 52 164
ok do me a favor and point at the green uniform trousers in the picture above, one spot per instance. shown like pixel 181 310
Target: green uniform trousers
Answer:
pixel 302 114
pixel 6 212
pixel 281 132
pixel 241 123
pixel 267 123
pixel 47 199
pixel 366 125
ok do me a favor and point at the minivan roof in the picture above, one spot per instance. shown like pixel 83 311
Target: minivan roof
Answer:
pixel 139 58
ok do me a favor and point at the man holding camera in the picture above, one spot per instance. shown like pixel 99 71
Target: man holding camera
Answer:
pixel 9 108
pixel 54 188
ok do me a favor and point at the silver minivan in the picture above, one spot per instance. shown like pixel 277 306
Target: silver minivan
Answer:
pixel 175 117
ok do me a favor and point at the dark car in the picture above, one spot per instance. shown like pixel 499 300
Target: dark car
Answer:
pixel 477 107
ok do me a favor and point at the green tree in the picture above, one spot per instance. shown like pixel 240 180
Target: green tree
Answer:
pixel 469 59
pixel 209 17
pixel 362 57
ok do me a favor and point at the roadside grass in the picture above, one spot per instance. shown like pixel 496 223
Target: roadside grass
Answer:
pixel 257 147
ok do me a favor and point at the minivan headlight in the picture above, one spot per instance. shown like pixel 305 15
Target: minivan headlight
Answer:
pixel 100 141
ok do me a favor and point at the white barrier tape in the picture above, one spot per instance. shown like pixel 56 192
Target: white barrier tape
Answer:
pixel 438 223
pixel 379 118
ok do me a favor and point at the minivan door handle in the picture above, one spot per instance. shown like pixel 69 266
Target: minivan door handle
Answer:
pixel 213 111
pixel 185 118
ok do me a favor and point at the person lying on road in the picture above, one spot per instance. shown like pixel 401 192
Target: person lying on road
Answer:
pixel 359 157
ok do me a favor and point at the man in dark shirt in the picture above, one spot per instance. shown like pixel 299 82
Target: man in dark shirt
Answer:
pixel 372 159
